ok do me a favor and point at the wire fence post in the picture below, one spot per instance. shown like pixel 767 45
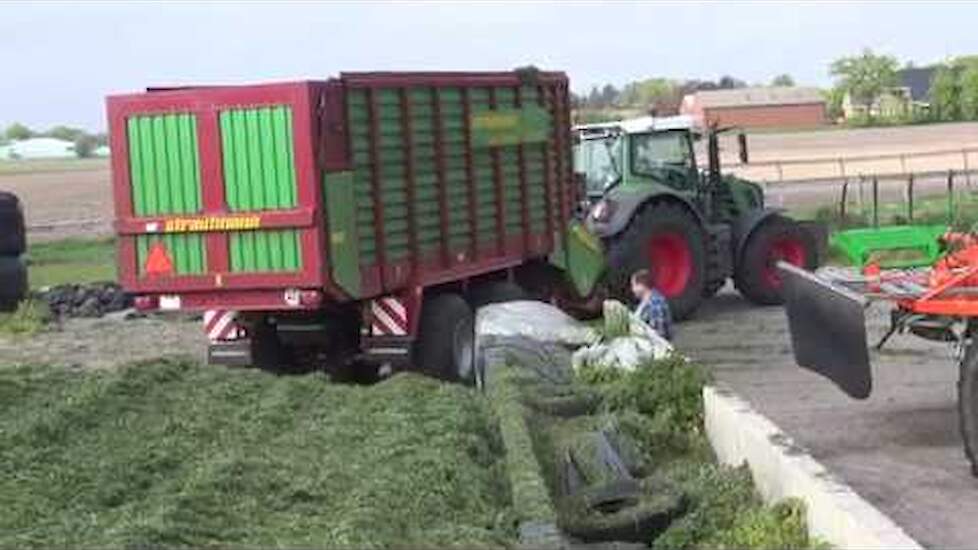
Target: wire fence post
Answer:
pixel 876 202
pixel 910 198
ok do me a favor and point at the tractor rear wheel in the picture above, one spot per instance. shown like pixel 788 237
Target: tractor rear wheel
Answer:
pixel 446 342
pixel 968 402
pixel 777 239
pixel 670 242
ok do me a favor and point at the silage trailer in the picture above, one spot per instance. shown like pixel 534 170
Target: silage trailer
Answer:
pixel 362 217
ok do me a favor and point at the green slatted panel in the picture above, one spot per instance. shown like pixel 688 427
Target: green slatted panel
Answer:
pixel 391 156
pixel 259 174
pixel 164 167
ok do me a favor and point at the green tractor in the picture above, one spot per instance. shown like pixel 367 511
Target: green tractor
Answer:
pixel 655 209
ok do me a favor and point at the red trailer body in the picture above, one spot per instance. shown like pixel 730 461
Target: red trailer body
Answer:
pixel 367 188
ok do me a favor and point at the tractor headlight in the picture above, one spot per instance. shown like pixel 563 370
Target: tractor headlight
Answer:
pixel 603 211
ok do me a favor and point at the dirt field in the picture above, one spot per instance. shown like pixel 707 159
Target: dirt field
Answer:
pixel 65 199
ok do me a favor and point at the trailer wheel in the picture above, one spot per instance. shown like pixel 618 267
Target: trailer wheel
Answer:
pixel 446 342
pixel 968 403
pixel 495 292
pixel 668 241
pixel 777 239
pixel 13 282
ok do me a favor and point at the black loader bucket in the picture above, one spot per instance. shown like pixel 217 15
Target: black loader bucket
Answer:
pixel 828 330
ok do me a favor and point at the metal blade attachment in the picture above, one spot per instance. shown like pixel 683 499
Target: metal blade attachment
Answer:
pixel 828 330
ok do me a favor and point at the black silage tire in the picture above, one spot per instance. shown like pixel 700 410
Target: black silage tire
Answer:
pixel 752 273
pixel 13 282
pixel 968 404
pixel 495 292
pixel 447 327
pixel 622 510
pixel 628 252
pixel 13 239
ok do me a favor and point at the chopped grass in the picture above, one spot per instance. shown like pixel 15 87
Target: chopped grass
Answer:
pixel 173 454
pixel 29 318
pixel 73 261
pixel 659 407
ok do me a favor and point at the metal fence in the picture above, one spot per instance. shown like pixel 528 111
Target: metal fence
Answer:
pixel 961 160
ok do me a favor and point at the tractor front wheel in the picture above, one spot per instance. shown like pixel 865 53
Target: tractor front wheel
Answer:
pixel 670 242
pixel 968 402
pixel 777 239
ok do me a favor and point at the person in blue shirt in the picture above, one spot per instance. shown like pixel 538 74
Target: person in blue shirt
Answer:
pixel 652 305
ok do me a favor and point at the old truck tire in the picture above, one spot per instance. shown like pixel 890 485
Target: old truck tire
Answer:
pixel 13 240
pixel 777 239
pixel 445 347
pixel 968 403
pixel 671 243
pixel 13 282
pixel 622 510
pixel 495 292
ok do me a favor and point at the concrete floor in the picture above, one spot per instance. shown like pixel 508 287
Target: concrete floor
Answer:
pixel 899 449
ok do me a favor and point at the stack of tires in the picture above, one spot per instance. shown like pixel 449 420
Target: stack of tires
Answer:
pixel 13 242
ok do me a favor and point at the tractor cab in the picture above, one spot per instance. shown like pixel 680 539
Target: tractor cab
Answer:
pixel 659 150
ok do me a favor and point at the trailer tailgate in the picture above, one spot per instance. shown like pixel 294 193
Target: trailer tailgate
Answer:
pixel 216 195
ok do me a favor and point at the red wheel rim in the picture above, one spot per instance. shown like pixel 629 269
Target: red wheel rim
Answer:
pixel 783 249
pixel 671 263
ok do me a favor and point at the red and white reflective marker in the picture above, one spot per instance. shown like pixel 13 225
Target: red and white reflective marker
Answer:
pixel 388 317
pixel 219 325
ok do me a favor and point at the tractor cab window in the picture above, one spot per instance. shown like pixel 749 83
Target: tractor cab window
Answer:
pixel 598 160
pixel 663 155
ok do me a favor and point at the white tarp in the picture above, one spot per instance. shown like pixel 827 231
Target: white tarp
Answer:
pixel 628 342
pixel 535 320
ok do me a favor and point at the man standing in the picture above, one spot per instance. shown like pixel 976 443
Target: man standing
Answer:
pixel 652 305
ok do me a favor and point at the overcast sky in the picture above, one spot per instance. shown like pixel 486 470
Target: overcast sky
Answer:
pixel 58 61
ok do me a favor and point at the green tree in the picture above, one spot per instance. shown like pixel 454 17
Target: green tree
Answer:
pixel 968 86
pixel 18 131
pixel 865 76
pixel 833 102
pixel 85 145
pixel 783 79
pixel 945 94
pixel 643 93
pixel 66 133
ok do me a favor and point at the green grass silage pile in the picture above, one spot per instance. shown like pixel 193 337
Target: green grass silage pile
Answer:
pixel 660 408
pixel 175 454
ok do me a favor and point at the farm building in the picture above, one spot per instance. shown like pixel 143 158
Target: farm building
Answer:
pixel 757 107
pixel 38 148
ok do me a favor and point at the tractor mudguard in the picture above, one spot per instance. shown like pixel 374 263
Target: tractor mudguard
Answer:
pixel 627 201
pixel 744 226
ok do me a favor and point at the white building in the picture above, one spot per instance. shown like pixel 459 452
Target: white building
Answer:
pixel 38 148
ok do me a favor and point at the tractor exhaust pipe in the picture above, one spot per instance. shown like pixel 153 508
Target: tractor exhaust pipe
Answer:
pixel 828 330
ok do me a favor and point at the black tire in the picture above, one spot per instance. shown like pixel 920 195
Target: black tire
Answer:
pixel 775 239
pixel 445 347
pixel 495 292
pixel 13 282
pixel 632 250
pixel 13 240
pixel 622 510
pixel 968 403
